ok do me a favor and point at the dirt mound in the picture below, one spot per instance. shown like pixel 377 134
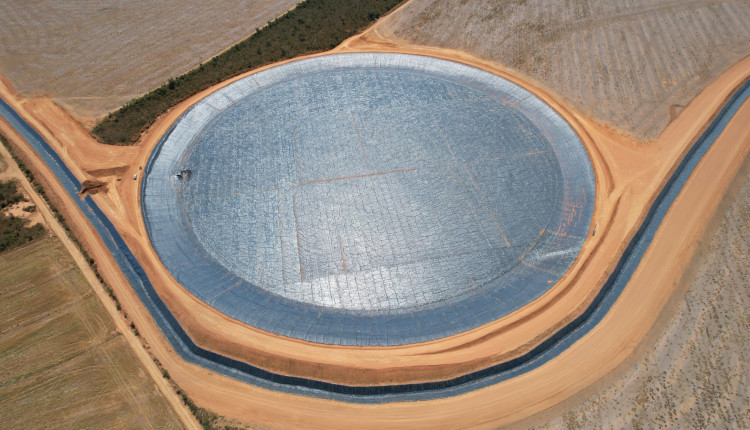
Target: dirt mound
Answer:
pixel 90 186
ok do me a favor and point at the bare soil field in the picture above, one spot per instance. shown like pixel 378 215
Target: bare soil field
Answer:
pixel 632 65
pixel 63 363
pixel 93 57
pixel 696 374
pixel 126 336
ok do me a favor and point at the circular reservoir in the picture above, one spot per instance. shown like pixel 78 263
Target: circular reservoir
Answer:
pixel 369 199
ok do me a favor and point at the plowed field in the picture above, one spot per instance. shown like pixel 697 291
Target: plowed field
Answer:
pixel 92 57
pixel 631 64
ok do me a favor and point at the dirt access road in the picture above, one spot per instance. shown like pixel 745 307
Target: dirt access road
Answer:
pixel 44 211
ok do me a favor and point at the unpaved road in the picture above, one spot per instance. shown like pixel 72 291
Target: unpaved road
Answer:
pixel 182 412
pixel 695 373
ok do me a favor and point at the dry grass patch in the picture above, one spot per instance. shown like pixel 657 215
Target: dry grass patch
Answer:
pixel 63 365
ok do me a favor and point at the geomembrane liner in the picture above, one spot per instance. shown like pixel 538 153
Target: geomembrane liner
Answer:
pixel 540 354
pixel 369 199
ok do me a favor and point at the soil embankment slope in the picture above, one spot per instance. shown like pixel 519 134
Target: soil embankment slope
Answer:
pixel 622 346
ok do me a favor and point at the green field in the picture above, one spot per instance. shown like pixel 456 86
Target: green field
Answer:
pixel 62 363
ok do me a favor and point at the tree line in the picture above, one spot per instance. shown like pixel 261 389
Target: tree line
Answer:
pixel 312 26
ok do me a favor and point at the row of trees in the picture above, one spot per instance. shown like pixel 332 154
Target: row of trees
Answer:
pixel 312 26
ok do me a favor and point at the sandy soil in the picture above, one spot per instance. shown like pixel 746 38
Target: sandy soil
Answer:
pixel 11 172
pixel 630 64
pixel 45 215
pixel 628 175
pixel 93 57
pixel 17 209
pixel 64 365
pixel 696 373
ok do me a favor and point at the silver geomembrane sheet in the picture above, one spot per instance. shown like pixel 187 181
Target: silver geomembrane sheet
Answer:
pixel 369 199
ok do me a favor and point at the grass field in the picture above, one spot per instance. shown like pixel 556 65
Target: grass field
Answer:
pixel 62 364
pixel 631 64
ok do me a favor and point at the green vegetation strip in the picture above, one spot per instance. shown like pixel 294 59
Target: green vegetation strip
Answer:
pixel 207 418
pixel 312 26
pixel 40 190
pixel 15 232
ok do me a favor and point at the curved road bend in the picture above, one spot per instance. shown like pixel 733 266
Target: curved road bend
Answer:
pixel 248 373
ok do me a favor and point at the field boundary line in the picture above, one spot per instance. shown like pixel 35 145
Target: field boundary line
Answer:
pixel 181 410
